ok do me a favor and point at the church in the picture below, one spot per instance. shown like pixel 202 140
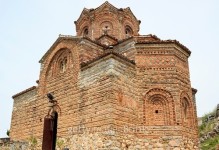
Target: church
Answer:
pixel 108 87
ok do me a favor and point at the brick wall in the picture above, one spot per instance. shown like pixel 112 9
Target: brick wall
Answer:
pixel 23 115
pixel 133 94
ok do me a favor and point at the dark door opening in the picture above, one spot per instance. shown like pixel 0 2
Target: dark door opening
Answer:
pixel 55 123
pixel 50 132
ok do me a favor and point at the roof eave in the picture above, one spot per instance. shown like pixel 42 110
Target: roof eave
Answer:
pixel 59 39
pixel 168 42
pixel 24 91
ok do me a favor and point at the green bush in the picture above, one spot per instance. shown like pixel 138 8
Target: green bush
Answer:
pixel 207 126
pixel 210 144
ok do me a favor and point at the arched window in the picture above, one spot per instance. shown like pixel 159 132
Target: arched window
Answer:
pixel 85 31
pixel 128 31
pixel 185 109
pixel 158 108
pixel 63 64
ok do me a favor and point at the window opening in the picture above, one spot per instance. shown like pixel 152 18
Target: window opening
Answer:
pixel 85 32
pixel 128 31
pixel 63 65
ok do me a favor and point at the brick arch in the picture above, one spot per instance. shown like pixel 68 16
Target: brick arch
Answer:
pixel 186 109
pixel 103 19
pixel 128 30
pixel 158 108
pixel 62 56
pixel 132 24
pixel 106 22
pixel 48 63
pixel 82 27
pixel 84 22
pixel 106 27
pixel 85 31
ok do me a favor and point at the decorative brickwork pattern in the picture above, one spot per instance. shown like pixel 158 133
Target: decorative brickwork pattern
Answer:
pixel 115 89
pixel 159 108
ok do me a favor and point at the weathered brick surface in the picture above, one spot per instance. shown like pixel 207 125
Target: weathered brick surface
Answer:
pixel 113 91
pixel 24 114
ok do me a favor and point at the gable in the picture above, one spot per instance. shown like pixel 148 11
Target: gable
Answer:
pixel 60 39
pixel 107 40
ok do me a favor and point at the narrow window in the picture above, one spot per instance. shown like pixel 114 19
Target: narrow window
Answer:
pixel 128 31
pixel 85 33
pixel 63 65
pixel 185 106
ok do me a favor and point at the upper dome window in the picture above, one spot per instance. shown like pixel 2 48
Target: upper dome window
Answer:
pixel 85 31
pixel 128 31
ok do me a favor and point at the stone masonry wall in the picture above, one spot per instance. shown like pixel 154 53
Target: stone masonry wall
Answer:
pixel 23 115
pixel 116 141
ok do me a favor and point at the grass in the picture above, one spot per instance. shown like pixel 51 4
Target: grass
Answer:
pixel 210 144
pixel 207 127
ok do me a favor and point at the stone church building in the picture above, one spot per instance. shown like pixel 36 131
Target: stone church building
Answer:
pixel 115 89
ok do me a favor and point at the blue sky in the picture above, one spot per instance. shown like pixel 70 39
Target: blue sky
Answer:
pixel 29 28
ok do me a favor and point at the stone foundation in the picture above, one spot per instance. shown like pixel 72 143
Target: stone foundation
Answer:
pixel 110 140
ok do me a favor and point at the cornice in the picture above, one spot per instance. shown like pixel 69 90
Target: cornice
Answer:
pixel 105 55
pixel 166 42
pixel 60 39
